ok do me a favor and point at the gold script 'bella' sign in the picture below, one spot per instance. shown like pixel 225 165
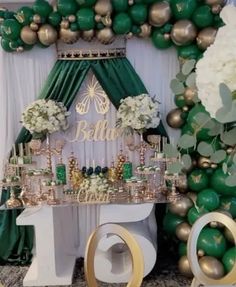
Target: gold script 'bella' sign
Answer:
pixel 100 131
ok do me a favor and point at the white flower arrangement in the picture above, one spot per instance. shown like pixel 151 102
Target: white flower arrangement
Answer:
pixel 45 116
pixel 218 64
pixel 138 113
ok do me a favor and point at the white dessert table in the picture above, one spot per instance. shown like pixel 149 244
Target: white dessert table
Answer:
pixel 57 242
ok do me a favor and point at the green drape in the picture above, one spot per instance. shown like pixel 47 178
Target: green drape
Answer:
pixel 119 80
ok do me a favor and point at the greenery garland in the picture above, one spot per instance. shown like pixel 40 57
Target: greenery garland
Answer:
pixel 190 25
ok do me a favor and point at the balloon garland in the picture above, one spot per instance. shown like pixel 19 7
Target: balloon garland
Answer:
pixel 190 25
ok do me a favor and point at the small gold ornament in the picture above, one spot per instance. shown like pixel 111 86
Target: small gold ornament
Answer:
pixel 112 173
pixel 206 37
pixel 98 18
pixel 77 179
pixel 47 34
pixel 200 253
pixel 37 19
pixel 184 267
pixel 93 93
pixel 106 21
pixel 72 18
pixel 212 267
pixel 216 9
pixel 204 162
pixel 28 36
pixel 145 30
pixel 183 32
pixel 119 164
pixel 159 14
pixel 65 24
pixel 214 165
pixel 166 36
pixel 229 150
pixel 67 36
pixel 174 118
pixel 34 26
pixel 182 231
pixel 129 35
pixel 20 49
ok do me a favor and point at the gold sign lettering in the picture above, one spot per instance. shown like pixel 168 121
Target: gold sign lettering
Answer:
pixel 100 131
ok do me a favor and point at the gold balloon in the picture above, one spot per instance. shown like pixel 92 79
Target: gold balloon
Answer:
pixel 215 2
pixel 34 26
pixel 37 19
pixel 47 34
pixel 103 7
pixel 212 267
pixel 183 32
pixel 88 35
pixel 204 162
pixel 159 14
pixel 105 36
pixel 206 37
pixel 67 36
pixel 181 207
pixel 28 36
pixel 189 95
pixel 174 118
pixel 145 30
pixel 184 267
pixel 192 196
pixel 182 231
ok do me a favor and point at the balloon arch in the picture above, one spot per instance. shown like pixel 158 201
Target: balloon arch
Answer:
pixel 191 26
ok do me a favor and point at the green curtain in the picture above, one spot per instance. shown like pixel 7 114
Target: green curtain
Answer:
pixel 119 80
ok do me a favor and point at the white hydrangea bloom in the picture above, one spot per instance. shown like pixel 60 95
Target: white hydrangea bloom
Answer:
pixel 218 64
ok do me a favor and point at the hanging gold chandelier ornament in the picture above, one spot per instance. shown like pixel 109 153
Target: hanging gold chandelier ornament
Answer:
pixel 93 93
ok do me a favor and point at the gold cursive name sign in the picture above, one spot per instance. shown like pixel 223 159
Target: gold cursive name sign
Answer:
pixel 100 131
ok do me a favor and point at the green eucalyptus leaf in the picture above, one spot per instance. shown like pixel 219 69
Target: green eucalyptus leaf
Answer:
pixel 181 77
pixel 195 99
pixel 205 149
pixel 232 169
pixel 224 115
pixel 175 167
pixel 218 156
pixel 216 130
pixel 170 151
pixel 226 96
pixel 188 66
pixel 234 159
pixel 231 180
pixel 229 137
pixel 186 141
pixel 191 80
pixel 225 167
pixel 177 87
pixel 186 161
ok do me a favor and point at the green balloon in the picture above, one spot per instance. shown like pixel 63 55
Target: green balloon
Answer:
pixel 24 15
pixel 229 259
pixel 85 19
pixel 171 221
pixel 138 13
pixel 183 9
pixel 10 29
pixel 218 22
pixel 135 29
pixel 67 7
pixel 208 199
pixel 86 3
pixel 189 52
pixel 217 182
pixel 120 5
pixel 182 250
pixel 198 180
pixel 187 129
pixel 159 41
pixel 194 213
pixel 42 7
pixel 13 45
pixel 203 17
pixel 228 203
pixel 27 47
pixel 122 23
pixel 6 45
pixel 74 27
pixel 54 19
pixel 9 15
pixel 100 26
pixel 179 101
pixel 212 242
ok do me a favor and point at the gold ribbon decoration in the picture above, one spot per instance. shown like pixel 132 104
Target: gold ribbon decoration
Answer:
pixel 136 253
pixel 200 277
